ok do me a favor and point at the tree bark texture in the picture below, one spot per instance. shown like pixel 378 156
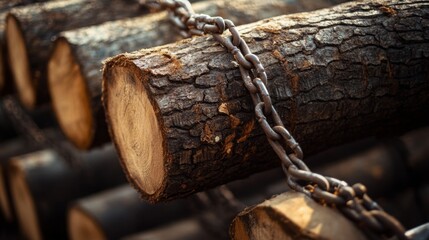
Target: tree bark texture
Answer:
pixel 118 212
pixel 10 149
pixel 38 24
pixel 84 49
pixel 335 75
pixel 43 185
pixel 293 215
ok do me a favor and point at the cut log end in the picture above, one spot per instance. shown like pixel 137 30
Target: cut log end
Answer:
pixel 82 226
pixel 19 63
pixel 70 97
pixel 23 200
pixel 293 215
pixel 4 200
pixel 140 144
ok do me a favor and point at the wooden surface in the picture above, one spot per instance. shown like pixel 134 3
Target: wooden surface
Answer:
pixel 182 120
pixel 291 216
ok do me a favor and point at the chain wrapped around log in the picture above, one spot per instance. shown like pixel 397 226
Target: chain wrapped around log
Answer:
pixel 179 112
pixel 133 73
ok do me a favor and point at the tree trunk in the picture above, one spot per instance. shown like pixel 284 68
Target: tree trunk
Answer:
pixel 182 121
pixel 293 215
pixel 74 75
pixel 118 212
pixel 29 33
pixel 43 185
pixel 10 149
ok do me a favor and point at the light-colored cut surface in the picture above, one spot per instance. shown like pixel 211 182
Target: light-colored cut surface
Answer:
pixel 140 143
pixel 70 98
pixel 83 227
pixel 4 201
pixel 293 215
pixel 19 64
pixel 24 204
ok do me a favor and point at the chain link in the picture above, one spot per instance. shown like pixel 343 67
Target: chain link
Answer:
pixel 352 201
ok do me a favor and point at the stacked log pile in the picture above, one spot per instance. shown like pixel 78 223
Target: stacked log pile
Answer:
pixel 98 92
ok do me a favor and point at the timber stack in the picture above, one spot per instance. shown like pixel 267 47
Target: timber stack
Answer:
pixel 136 119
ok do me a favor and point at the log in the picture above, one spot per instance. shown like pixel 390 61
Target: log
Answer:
pixel 74 77
pixel 188 229
pixel 293 215
pixel 182 121
pixel 29 33
pixel 43 185
pixel 10 149
pixel 118 212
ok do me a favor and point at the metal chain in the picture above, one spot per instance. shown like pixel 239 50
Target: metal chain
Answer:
pixel 352 201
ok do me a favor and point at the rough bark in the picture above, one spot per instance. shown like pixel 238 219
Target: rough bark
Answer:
pixel 10 149
pixel 74 76
pixel 293 216
pixel 43 185
pixel 118 212
pixel 335 75
pixel 30 30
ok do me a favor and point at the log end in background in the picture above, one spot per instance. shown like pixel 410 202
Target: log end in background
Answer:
pixel 82 226
pixel 19 63
pixel 293 215
pixel 70 96
pixel 142 142
pixel 23 198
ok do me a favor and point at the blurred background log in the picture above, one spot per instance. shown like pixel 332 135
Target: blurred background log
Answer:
pixel 182 121
pixel 118 212
pixel 43 185
pixel 30 30
pixel 74 75
pixel 10 149
pixel 5 5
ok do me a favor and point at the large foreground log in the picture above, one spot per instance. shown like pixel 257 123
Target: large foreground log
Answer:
pixel 118 212
pixel 293 216
pixel 74 75
pixel 29 33
pixel 182 121
pixel 43 185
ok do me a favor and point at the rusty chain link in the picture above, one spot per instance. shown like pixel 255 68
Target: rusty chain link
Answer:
pixel 352 201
